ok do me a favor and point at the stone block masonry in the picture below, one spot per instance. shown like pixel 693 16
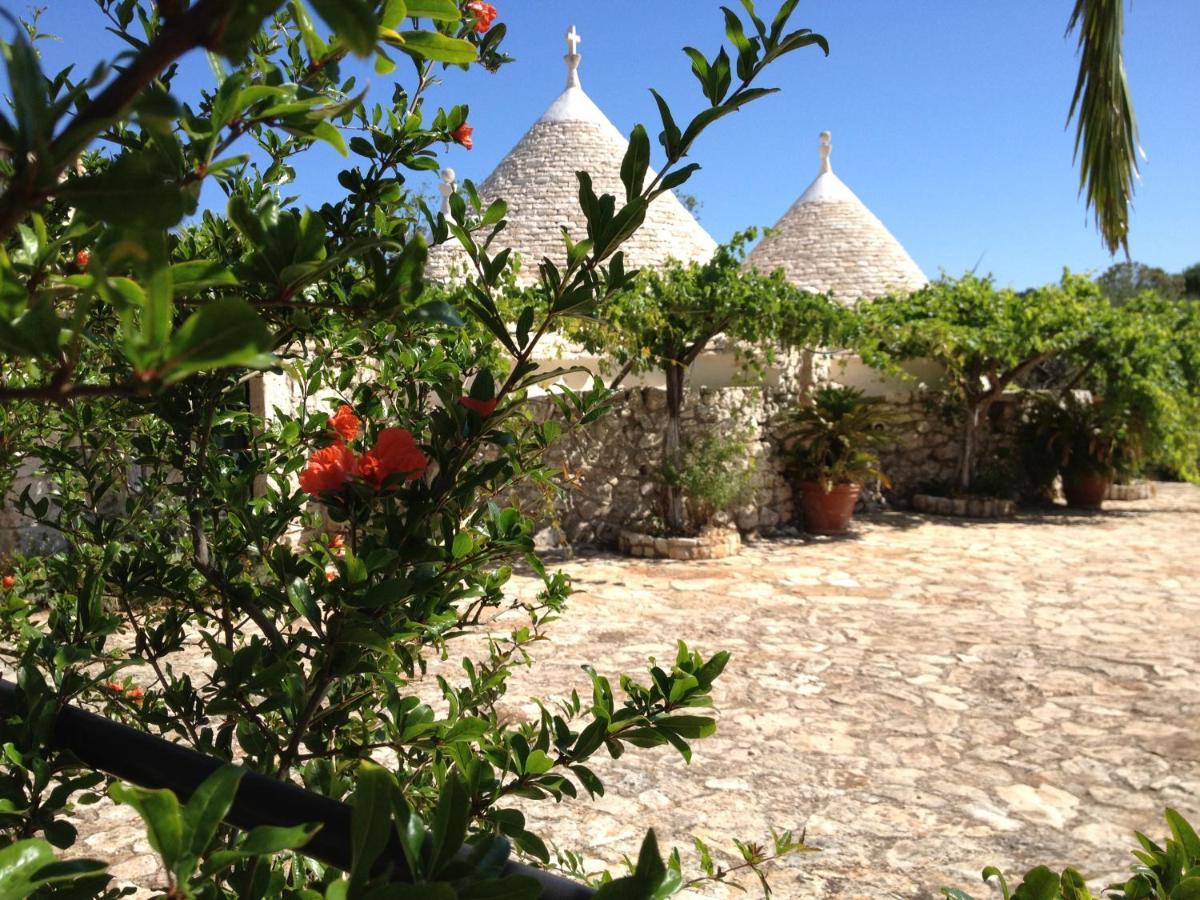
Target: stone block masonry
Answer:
pixel 613 463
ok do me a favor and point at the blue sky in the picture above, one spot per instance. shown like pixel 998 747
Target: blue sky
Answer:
pixel 947 117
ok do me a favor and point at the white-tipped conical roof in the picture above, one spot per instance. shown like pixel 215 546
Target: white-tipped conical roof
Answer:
pixel 829 242
pixel 537 179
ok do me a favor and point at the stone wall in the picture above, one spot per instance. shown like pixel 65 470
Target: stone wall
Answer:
pixel 611 466
pixel 925 453
pixel 613 462
pixel 19 534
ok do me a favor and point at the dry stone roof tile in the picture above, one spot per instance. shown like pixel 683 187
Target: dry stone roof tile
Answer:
pixel 538 181
pixel 830 242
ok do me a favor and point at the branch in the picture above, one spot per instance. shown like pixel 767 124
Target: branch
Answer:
pixel 621 375
pixel 61 393
pixel 195 28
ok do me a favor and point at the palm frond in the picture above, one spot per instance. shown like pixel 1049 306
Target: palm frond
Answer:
pixel 1106 143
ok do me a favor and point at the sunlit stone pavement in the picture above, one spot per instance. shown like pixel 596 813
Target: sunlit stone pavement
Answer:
pixel 925 697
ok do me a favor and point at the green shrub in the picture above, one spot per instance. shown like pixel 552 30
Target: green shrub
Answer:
pixel 321 556
pixel 835 435
pixel 714 472
pixel 1169 872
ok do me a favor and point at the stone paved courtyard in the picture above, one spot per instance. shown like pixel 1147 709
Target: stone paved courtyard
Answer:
pixel 926 697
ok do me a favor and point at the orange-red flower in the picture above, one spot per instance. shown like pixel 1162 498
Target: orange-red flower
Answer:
pixel 484 407
pixel 8 582
pixel 484 14
pixel 82 258
pixel 328 469
pixel 337 542
pixel 113 687
pixel 462 135
pixel 345 423
pixel 395 452
pixel 134 694
pixel 331 574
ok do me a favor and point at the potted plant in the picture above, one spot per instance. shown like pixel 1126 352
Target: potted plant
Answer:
pixel 713 472
pixel 1092 440
pixel 833 440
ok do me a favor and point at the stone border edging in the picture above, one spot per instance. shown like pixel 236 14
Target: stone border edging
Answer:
pixel 1139 490
pixel 715 543
pixel 964 507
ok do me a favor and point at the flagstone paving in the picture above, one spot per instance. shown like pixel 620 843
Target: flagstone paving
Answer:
pixel 925 697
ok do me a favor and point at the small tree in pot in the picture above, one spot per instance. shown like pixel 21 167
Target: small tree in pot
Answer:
pixel 1090 439
pixel 711 473
pixel 834 439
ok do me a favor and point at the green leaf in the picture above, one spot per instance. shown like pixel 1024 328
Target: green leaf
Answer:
pixel 18 863
pixel 226 332
pixel 647 875
pixel 1188 889
pixel 463 544
pixel 434 45
pixel 352 20
pixel 442 10
pixel 992 872
pixel 636 163
pixel 370 822
pixel 275 839
pixel 316 47
pixel 239 30
pixel 160 811
pixel 450 820
pixel 538 763
pixel 28 865
pixel 198 274
pixel 670 136
pixel 206 808
pixel 301 599
pixel 692 727
pixel 1184 834
pixel 394 12
pixel 134 192
pixel 1039 884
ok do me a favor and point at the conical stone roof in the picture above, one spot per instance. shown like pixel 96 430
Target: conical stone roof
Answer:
pixel 537 179
pixel 829 242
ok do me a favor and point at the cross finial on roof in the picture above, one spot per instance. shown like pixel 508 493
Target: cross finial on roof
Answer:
pixel 573 57
pixel 825 147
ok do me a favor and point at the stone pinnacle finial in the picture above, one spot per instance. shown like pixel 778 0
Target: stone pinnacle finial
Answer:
pixel 824 148
pixel 573 57
pixel 446 188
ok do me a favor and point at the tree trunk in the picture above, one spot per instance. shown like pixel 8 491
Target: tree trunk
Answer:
pixel 976 413
pixel 673 497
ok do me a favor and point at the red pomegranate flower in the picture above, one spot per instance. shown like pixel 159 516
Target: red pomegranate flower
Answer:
pixel 484 407
pixel 345 423
pixel 8 582
pixel 328 469
pixel 462 135
pixel 484 14
pixel 82 258
pixel 134 694
pixel 395 452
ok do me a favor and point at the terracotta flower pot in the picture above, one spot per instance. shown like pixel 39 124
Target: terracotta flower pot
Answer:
pixel 828 512
pixel 1086 491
